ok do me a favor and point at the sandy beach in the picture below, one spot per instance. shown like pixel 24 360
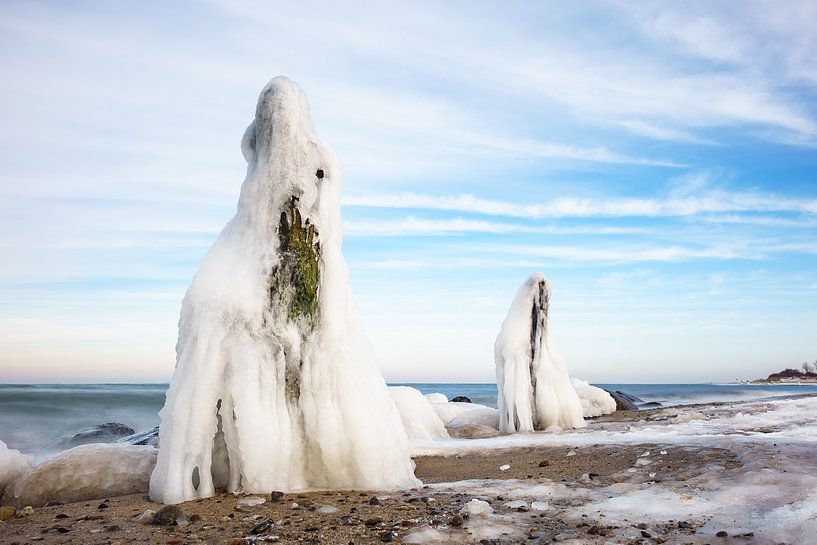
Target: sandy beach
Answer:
pixel 594 488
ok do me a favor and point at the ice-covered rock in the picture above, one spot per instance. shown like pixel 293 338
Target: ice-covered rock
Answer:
pixel 275 385
pixel 480 416
pixel 102 433
pixel 83 473
pixel 535 392
pixel 148 437
pixel 12 465
pixel 595 401
pixel 436 397
pixel 419 418
pixel 449 411
pixel 624 402
pixel 477 507
pixel 472 431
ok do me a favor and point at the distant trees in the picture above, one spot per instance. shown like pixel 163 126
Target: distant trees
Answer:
pixel 809 367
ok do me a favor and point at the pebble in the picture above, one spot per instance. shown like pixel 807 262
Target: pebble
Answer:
pixel 722 534
pixel 7 512
pixel 103 505
pixel 504 467
pixel 60 516
pixel 26 511
pixel 374 501
pixel 146 517
pixel 374 521
pixel 387 537
pixel 544 463
pixel 168 515
pixel 456 521
pixel 277 495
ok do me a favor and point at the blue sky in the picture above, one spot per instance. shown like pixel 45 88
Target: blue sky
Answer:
pixel 657 161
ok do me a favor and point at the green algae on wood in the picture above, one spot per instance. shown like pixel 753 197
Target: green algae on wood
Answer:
pixel 296 279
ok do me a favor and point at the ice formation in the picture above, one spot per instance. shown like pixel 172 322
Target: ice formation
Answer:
pixel 452 409
pixel 12 465
pixel 276 387
pixel 84 473
pixel 595 401
pixel 419 419
pixel 535 392
pixel 480 416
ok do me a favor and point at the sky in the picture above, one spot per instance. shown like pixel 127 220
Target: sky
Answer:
pixel 657 161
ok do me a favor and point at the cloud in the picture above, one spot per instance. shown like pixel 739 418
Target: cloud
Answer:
pixel 714 201
pixel 422 226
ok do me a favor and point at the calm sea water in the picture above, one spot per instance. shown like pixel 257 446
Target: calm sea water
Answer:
pixel 34 416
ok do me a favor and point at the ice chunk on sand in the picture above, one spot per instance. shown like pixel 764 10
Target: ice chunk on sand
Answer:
pixel 595 401
pixel 535 392
pixel 419 418
pixel 12 465
pixel 481 416
pixel 86 472
pixel 271 360
pixel 477 507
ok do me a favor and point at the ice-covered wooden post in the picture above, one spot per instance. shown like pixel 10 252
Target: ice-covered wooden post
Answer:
pixel 535 392
pixel 276 387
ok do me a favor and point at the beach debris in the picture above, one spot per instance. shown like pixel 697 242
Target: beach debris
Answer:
pixel 271 300
pixel 504 467
pixel 327 509
pixel 571 453
pixel 535 392
pixel 539 505
pixel 7 512
pixel 477 507
pixel 251 501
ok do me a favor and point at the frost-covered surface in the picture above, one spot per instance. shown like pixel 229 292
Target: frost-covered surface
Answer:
pixel 86 472
pixel 771 492
pixel 482 416
pixel 271 360
pixel 535 392
pixel 12 465
pixel 436 397
pixel 448 411
pixel 595 401
pixel 419 418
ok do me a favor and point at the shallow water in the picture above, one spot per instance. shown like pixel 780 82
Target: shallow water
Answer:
pixel 34 416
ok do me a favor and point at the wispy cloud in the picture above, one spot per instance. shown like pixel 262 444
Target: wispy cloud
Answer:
pixel 710 202
pixel 422 226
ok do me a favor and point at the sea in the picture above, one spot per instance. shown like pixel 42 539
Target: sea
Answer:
pixel 34 417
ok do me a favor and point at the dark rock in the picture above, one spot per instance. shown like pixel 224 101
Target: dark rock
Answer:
pixel 544 463
pixel 168 515
pixel 103 505
pixel 387 537
pixel 62 529
pixel 624 402
pixel 456 521
pixel 263 526
pixel 319 174
pixel 374 521
pixel 149 437
pixel 721 534
pixel 113 528
pixel 311 529
pixel 374 501
pixel 60 516
pixel 194 518
pixel 276 495
pixel 646 534
pixel 103 433
pixel 649 405
pixel 684 524
pixel 461 399
pixel 348 520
